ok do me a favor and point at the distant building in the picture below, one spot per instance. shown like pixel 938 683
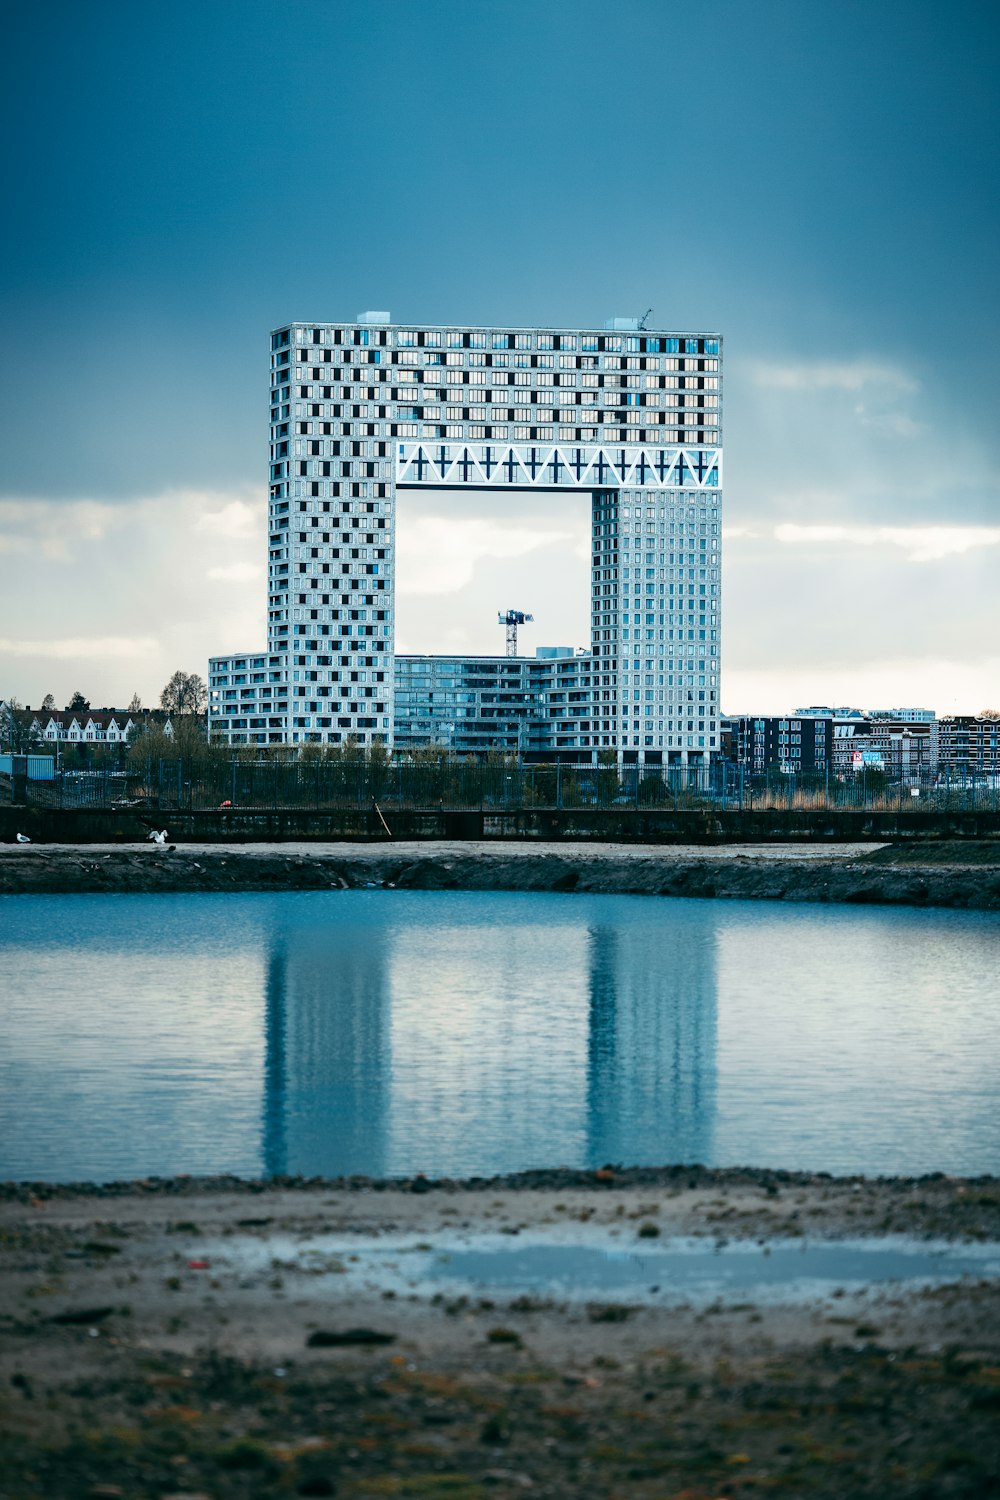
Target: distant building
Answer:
pixel 905 743
pixel 969 745
pixel 841 741
pixel 95 726
pixel 106 726
pixel 793 745
pixel 540 708
pixel 91 726
pixel 629 417
pixel 904 715
pixel 829 713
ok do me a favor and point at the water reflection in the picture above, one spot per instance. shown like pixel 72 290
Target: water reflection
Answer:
pixel 472 1033
pixel 505 1034
pixel 326 1085
pixel 651 1053
pixel 489 1036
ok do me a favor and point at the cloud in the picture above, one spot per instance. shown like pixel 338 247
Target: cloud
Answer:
pixel 50 527
pixel 921 543
pixel 55 529
pixel 113 598
pixel 441 553
pixel 84 648
pixel 236 519
pixel 851 375
pixel 237 572
pixel 896 424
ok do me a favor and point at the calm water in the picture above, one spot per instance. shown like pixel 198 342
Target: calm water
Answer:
pixel 390 1032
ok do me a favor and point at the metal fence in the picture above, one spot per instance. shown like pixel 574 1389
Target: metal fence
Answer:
pixel 271 784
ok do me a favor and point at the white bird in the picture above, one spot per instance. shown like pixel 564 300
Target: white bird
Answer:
pixel 22 838
pixel 158 838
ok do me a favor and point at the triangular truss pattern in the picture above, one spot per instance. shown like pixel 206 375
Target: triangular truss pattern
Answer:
pixel 557 466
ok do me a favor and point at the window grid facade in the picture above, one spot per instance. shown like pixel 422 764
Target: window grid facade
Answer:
pixel 633 416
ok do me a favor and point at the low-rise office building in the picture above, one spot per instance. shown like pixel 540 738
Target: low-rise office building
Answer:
pixel 540 708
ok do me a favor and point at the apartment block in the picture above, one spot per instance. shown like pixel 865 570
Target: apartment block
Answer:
pixel 969 745
pixel 791 744
pixel 362 410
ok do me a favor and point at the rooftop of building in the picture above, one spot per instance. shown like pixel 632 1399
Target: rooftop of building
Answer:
pixel 607 326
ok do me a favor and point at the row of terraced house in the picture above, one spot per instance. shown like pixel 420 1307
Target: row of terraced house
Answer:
pixel 98 726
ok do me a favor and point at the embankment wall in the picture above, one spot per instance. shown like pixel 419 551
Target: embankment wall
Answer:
pixel 611 825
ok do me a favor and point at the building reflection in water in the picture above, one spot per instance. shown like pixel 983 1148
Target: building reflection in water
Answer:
pixel 326 1092
pixel 651 1065
pixel 489 1033
pixel 467 1035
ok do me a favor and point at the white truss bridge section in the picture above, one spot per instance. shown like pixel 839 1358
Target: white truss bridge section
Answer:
pixel 556 466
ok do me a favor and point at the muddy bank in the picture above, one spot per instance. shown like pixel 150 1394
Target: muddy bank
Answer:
pixel 171 1339
pixel 950 875
pixel 762 1198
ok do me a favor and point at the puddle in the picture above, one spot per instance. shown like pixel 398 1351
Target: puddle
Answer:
pixel 690 1270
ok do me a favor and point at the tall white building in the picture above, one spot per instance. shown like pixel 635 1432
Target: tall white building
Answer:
pixel 361 410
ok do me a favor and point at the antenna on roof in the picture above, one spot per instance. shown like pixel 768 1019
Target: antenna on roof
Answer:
pixel 642 321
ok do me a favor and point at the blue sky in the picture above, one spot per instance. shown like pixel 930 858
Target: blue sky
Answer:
pixel 816 181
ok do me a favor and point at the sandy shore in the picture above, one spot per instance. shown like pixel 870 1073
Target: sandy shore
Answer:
pixel 925 874
pixel 237 1339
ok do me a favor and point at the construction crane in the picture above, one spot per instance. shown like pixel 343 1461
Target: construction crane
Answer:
pixel 512 619
pixel 642 321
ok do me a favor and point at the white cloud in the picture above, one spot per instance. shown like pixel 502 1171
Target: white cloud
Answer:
pixel 238 518
pixel 237 572
pixel 851 375
pixel 123 592
pixel 897 424
pixel 921 543
pixel 441 553
pixel 84 648
pixel 52 527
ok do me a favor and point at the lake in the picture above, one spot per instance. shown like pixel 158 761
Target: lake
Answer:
pixel 390 1032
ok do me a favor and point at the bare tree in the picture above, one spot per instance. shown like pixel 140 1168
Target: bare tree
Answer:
pixel 185 693
pixel 48 703
pixel 15 727
pixel 135 706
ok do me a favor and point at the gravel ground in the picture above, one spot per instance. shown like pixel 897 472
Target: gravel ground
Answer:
pixel 161 1339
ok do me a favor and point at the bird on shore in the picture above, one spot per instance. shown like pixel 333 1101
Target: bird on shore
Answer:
pixel 157 838
pixel 22 838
